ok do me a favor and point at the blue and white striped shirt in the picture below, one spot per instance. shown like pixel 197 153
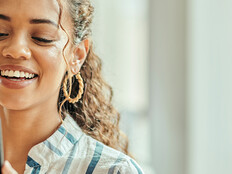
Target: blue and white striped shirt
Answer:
pixel 70 151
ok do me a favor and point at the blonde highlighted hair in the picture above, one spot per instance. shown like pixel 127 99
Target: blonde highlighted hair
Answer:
pixel 94 112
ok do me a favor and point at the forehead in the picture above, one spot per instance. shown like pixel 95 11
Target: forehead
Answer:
pixel 30 9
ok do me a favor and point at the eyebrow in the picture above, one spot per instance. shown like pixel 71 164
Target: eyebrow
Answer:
pixel 32 21
pixel 43 21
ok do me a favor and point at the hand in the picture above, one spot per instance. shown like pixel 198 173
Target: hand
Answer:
pixel 8 169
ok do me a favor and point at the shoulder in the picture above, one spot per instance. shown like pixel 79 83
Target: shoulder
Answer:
pixel 95 157
pixel 125 165
pixel 88 155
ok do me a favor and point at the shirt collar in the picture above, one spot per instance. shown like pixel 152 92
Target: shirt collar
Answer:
pixel 57 145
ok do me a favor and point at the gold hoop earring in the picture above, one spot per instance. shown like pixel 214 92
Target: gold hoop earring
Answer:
pixel 80 92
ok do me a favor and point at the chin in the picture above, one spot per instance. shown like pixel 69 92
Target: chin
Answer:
pixel 14 104
pixel 14 107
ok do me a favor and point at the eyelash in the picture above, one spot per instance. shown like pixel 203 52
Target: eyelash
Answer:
pixel 42 39
pixel 35 38
pixel 3 34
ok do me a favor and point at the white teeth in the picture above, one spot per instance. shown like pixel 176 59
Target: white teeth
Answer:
pixel 22 74
pixel 31 75
pixel 16 74
pixel 11 73
pixel 3 73
pixel 27 75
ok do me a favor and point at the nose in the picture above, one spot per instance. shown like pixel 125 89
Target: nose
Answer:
pixel 17 48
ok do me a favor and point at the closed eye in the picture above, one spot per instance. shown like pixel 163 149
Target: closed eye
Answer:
pixel 42 39
pixel 3 34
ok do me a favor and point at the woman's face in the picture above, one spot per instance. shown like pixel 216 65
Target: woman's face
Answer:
pixel 31 45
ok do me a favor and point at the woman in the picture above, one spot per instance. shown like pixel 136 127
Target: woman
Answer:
pixel 55 108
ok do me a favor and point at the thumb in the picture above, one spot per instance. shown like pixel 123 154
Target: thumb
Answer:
pixel 8 169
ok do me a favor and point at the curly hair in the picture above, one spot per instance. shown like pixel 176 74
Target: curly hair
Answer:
pixel 94 112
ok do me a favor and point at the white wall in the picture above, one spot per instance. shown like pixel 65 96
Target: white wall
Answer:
pixel 209 86
pixel 198 141
pixel 168 85
pixel 191 86
pixel 190 81
pixel 121 34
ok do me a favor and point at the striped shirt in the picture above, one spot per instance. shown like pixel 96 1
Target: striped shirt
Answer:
pixel 70 151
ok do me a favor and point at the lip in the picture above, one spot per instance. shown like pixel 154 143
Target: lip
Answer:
pixel 16 84
pixel 16 68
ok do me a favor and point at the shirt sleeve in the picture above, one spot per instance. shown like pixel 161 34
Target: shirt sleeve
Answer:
pixel 130 167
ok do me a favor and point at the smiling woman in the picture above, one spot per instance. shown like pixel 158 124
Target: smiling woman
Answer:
pixel 55 108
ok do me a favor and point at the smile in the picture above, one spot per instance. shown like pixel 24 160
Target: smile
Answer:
pixel 16 77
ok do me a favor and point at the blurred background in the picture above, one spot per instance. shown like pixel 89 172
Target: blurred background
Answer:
pixel 170 64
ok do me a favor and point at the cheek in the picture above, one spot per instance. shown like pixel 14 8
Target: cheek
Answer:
pixel 52 66
pixel 53 58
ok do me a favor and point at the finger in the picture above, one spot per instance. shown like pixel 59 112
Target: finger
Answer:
pixel 8 169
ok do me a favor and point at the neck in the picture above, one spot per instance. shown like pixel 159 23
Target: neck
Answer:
pixel 25 128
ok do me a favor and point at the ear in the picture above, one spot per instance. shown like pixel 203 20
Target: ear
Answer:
pixel 80 52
